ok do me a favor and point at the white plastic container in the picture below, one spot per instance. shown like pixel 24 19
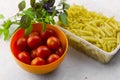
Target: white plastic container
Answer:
pixel 88 48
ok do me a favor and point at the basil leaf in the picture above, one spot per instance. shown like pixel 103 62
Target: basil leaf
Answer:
pixel 6 34
pixel 47 19
pixel 28 30
pixel 1 16
pixel 53 21
pixel 45 1
pixel 29 13
pixel 65 6
pixel 1 31
pixel 25 21
pixel 43 26
pixel 54 12
pixel 63 18
pixel 32 3
pixel 38 5
pixel 21 5
pixel 7 24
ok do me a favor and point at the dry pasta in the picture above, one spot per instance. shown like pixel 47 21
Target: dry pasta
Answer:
pixel 94 27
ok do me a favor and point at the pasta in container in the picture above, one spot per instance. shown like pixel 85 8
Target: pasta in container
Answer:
pixel 93 33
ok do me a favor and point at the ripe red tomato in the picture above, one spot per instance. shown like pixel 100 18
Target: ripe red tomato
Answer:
pixel 21 43
pixel 49 32
pixel 59 51
pixel 34 41
pixel 24 57
pixel 33 54
pixel 34 33
pixel 52 58
pixel 38 61
pixel 43 52
pixel 53 42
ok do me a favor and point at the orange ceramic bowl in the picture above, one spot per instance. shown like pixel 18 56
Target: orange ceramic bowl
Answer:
pixel 44 68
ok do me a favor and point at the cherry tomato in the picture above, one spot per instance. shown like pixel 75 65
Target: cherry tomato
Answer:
pixel 34 33
pixel 33 54
pixel 34 41
pixel 21 43
pixel 43 52
pixel 49 32
pixel 53 42
pixel 38 61
pixel 24 57
pixel 52 58
pixel 59 51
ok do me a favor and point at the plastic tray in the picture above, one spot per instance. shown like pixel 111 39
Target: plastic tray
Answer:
pixel 88 48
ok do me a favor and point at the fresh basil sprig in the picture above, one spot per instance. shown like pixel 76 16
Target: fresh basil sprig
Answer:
pixel 42 11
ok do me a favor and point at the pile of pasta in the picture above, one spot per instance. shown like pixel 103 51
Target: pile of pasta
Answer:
pixel 94 27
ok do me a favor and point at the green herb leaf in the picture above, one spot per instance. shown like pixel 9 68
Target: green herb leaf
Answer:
pixel 45 1
pixel 21 5
pixel 1 16
pixel 25 21
pixel 65 6
pixel 29 13
pixel 6 34
pixel 47 19
pixel 63 18
pixel 38 6
pixel 28 30
pixel 1 30
pixel 32 3
pixel 7 24
pixel 54 12
pixel 53 21
pixel 43 26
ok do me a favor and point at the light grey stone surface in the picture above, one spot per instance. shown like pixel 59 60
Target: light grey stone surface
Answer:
pixel 76 65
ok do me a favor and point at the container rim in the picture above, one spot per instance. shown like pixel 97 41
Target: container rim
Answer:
pixel 93 46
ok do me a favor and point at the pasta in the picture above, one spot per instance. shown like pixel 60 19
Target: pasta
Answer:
pixel 96 28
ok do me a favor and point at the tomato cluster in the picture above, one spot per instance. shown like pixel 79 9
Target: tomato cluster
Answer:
pixel 39 48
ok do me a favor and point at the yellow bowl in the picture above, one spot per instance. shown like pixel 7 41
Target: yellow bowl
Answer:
pixel 44 68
